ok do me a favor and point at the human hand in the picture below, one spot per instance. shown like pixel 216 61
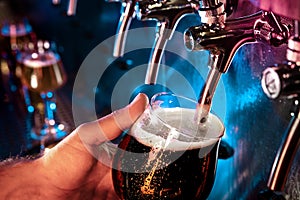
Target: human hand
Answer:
pixel 72 170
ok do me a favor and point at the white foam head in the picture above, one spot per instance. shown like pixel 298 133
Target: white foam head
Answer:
pixel 175 129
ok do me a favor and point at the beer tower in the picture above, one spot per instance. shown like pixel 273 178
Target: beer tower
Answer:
pixel 282 81
pixel 167 14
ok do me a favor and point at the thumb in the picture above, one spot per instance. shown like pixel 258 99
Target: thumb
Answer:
pixel 112 125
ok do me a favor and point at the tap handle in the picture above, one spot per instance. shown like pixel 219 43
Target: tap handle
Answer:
pixel 284 79
pixel 271 30
pixel 72 7
pixel 127 13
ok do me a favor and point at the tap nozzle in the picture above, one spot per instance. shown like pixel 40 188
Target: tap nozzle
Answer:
pixel 162 37
pixel 127 13
pixel 72 7
pixel 167 14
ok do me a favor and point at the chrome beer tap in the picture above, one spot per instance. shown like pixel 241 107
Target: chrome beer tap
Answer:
pixel 227 38
pixel 167 14
pixel 127 13
pixel 283 81
pixel 223 39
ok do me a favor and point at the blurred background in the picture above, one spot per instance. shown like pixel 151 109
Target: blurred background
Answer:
pixel 255 125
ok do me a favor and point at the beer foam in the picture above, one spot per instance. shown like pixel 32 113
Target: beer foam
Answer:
pixel 41 60
pixel 181 132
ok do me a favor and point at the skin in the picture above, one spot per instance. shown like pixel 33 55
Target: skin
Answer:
pixel 69 170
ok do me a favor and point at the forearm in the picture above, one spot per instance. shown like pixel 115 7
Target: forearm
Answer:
pixel 21 179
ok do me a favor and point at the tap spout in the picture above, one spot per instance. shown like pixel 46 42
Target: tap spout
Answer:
pixel 127 13
pixel 167 14
pixel 161 40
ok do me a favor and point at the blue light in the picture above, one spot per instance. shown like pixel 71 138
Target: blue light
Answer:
pixel 13 88
pixel 49 94
pixel 30 109
pixel 52 106
pixel 129 62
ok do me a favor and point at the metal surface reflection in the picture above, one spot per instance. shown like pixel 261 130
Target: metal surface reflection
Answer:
pixel 254 125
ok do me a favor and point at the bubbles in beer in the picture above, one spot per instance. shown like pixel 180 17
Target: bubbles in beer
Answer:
pixel 168 147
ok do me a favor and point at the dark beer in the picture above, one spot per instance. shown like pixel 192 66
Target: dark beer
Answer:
pixel 145 167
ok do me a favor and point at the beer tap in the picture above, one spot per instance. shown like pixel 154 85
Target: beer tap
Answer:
pixel 283 81
pixel 225 38
pixel 167 14
pixel 229 37
pixel 127 13
pixel 222 38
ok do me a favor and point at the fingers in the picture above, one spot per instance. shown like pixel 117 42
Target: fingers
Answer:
pixel 111 126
